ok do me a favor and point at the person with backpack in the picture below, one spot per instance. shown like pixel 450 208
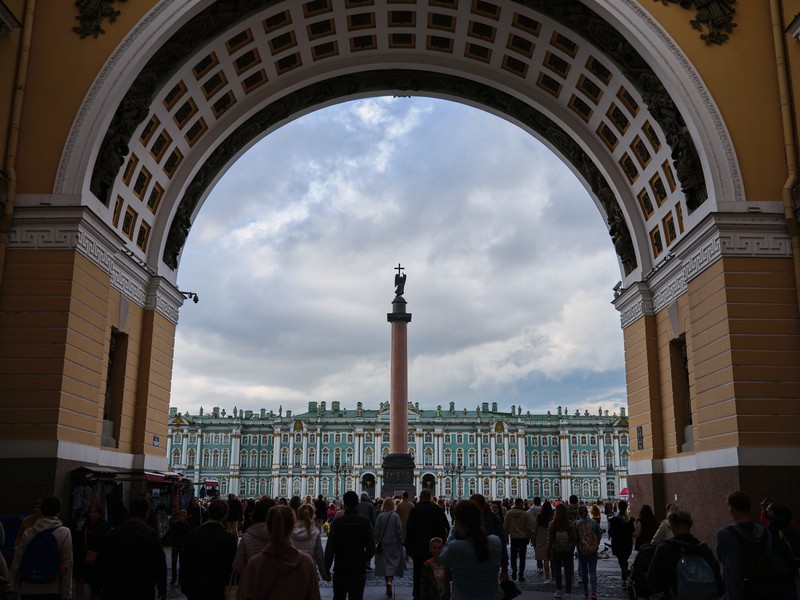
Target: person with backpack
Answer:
pixel 540 532
pixel 744 550
pixel 42 565
pixel 561 541
pixel 785 549
pixel 589 536
pixel 620 530
pixel 682 566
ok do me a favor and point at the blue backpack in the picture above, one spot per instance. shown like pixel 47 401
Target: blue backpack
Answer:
pixel 694 577
pixel 41 560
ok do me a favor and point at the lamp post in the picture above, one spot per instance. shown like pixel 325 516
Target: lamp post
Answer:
pixel 341 470
pixel 455 470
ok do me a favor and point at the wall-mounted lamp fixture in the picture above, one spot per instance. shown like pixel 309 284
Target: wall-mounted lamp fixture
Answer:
pixel 191 296
pixel 794 27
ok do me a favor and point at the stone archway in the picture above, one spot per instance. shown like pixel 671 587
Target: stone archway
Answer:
pixel 708 274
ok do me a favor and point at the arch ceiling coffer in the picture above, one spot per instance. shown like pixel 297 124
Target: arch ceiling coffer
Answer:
pixel 554 58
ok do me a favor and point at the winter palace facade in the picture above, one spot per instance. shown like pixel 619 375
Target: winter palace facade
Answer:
pixel 457 452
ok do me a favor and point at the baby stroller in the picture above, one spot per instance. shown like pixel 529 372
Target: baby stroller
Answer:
pixel 638 587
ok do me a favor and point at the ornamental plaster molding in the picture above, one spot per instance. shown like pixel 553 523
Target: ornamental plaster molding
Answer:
pixel 75 228
pixel 717 143
pixel 720 235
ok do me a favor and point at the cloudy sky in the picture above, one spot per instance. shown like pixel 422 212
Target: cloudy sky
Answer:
pixel 510 269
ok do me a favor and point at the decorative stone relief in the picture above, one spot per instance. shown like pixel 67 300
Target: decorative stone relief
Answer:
pixel 91 15
pixel 714 17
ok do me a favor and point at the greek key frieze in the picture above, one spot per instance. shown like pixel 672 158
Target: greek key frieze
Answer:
pixel 758 244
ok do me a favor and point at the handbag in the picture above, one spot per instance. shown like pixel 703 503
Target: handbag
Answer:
pixel 90 558
pixel 232 589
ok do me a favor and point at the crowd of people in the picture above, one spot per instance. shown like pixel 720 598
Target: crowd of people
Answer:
pixel 469 549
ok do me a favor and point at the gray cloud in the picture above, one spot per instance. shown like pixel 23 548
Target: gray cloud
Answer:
pixel 509 265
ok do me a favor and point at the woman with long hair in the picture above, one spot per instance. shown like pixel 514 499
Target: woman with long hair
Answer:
pixel 390 562
pixel 645 527
pixel 256 537
pixel 281 570
pixel 561 541
pixel 307 538
pixel 541 527
pixel 472 556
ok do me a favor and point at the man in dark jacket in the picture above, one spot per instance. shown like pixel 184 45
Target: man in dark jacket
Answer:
pixel 425 521
pixel 235 513
pixel 662 573
pixel 208 557
pixel 131 563
pixel 349 548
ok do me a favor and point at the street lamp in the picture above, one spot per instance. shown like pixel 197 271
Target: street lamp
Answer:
pixel 455 470
pixel 341 470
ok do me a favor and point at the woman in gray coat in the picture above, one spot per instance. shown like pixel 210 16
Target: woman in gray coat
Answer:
pixel 391 561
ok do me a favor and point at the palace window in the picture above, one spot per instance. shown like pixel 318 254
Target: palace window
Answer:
pixel 472 486
pixel 385 437
pixel 608 439
pixel 284 487
pixel 448 487
pixel 611 489
pixel 298 455
pixel 595 488
pixel 460 456
pixel 512 439
pixel 326 438
pixel 485 458
pixel 428 457
pixel 298 438
pixel 223 486
pixel 448 457
pixel 349 457
pixel 312 457
pixel 573 440
pixel 296 488
pixel 310 484
pixel 368 457
pixel 556 460
pixel 285 439
pixel 584 460
pixel 609 460
pixel 312 438
pixel 498 439
pixel 216 438
pixel 514 488
pixel 623 459
pixel 252 487
pixel 487 488
pixel 574 457
pixel 206 458
pixel 471 439
pixel 512 460
pixel 429 438
pixel 368 438
pixel 485 439
pixel 337 438
pixel 192 438
pixel 349 438
pixel 473 458
pixel 556 488
pixel 264 460
pixel 226 439
pixel 284 457
pixel 337 456
pixel 534 460
pixel 459 439
pixel 411 437
pixel 190 458
pixel 554 440
pixel 447 438
pixel 498 456
pixel 594 459
pixel 537 488
pixel 176 439
pixel 501 489
pixel 215 459
pixel 245 440
pixel 176 456
pixel 533 440
pixel 545 460
pixel 243 459
pixel 253 459
pixel 623 439
pixel 593 440
pixel 583 440
pixel 324 486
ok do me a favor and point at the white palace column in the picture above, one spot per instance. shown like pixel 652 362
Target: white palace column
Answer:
pixel 566 464
pixel 318 465
pixel 506 465
pixel 185 449
pixel 198 459
pixel 602 462
pixel 236 438
pixel 276 462
pixel 479 462
pixel 304 465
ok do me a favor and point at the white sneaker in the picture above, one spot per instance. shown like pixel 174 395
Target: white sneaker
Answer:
pixel 557 594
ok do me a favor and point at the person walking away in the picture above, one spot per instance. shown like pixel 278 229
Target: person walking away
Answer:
pixel 682 566
pixel 645 527
pixel 42 565
pixel 195 513
pixel 367 509
pixel 561 542
pixel 663 532
pixel 620 530
pixel 518 526
pixel 350 546
pixel 785 549
pixel 321 511
pixel 472 556
pixel 540 533
pixel 403 510
pixel 307 537
pixel 280 570
pixel 744 550
pixel 390 559
pixel 425 521
pixel 589 535
pixel 36 514
pixel 436 578
pixel 87 543
pixel 256 538
pixel 534 511
pixel 494 526
pixel 131 563
pixel 177 537
pixel 235 514
pixel 209 557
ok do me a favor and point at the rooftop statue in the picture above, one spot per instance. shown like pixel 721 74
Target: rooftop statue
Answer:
pixel 399 281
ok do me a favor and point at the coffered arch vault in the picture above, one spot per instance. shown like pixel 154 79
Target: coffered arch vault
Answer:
pixel 229 73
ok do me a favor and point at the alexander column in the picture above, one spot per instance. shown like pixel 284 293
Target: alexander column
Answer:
pixel 398 465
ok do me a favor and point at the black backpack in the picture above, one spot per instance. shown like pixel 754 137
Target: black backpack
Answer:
pixel 41 560
pixel 760 581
